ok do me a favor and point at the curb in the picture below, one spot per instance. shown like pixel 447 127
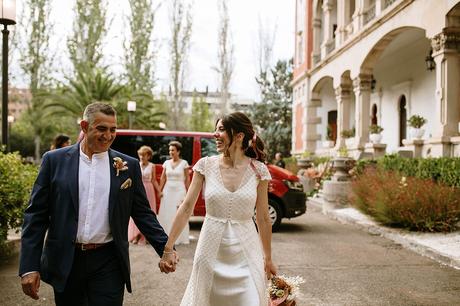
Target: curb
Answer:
pixel 395 235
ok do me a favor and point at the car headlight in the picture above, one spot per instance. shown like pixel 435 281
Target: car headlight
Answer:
pixel 293 185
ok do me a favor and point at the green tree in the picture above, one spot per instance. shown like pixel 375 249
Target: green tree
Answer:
pixel 224 55
pixel 140 56
pixel 273 115
pixel 88 86
pixel 200 120
pixel 35 62
pixel 181 32
pixel 89 29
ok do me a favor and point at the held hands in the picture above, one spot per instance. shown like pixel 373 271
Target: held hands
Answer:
pixel 168 261
pixel 30 284
pixel 270 269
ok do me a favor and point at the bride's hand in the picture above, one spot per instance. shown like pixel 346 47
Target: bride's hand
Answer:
pixel 270 269
pixel 168 262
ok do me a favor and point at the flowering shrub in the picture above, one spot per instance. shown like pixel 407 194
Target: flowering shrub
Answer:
pixel 408 202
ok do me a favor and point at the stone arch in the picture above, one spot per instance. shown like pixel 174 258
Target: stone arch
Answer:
pixel 453 16
pixel 376 51
pixel 318 108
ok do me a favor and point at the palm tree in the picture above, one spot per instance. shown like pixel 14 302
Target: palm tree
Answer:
pixel 89 85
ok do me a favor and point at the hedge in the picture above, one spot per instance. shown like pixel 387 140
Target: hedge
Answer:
pixel 443 170
pixel 15 187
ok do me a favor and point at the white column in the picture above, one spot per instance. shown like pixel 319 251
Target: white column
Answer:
pixel 327 28
pixel 343 97
pixel 446 54
pixel 312 121
pixel 316 54
pixel 362 89
pixel 358 17
pixel 341 22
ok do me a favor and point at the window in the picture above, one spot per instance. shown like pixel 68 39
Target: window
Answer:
pixel 129 144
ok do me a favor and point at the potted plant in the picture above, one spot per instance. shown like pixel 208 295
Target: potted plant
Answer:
pixel 349 136
pixel 329 142
pixel 416 122
pixel 375 133
pixel 304 160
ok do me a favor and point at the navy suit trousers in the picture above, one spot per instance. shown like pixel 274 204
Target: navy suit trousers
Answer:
pixel 95 279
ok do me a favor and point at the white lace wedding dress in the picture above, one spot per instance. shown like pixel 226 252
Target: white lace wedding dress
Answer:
pixel 228 267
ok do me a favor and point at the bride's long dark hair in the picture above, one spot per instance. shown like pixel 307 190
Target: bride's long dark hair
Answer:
pixel 237 122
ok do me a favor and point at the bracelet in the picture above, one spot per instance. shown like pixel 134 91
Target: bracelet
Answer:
pixel 166 252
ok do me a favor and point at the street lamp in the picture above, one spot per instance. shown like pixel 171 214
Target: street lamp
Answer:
pixel 7 17
pixel 131 110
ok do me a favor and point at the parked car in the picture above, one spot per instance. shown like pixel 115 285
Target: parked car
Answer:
pixel 286 198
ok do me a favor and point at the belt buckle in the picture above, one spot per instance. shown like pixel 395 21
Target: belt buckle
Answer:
pixel 83 248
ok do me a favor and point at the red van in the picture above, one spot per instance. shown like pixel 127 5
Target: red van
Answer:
pixel 286 197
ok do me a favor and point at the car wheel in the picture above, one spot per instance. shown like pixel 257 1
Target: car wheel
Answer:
pixel 275 214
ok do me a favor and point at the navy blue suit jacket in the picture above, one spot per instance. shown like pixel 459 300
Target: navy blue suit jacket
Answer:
pixel 53 207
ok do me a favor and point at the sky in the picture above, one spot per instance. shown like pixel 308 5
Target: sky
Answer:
pixel 245 17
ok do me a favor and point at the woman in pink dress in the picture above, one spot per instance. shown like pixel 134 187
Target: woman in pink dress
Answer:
pixel 150 184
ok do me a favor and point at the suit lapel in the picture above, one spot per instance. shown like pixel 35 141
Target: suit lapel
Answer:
pixel 74 161
pixel 114 184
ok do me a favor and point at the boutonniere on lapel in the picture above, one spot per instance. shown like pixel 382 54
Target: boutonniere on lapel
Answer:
pixel 119 165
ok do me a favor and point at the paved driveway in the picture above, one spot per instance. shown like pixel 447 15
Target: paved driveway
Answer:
pixel 342 265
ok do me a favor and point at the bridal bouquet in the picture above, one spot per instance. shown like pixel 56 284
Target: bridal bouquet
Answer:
pixel 283 290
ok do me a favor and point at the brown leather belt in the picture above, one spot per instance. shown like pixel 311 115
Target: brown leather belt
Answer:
pixel 90 246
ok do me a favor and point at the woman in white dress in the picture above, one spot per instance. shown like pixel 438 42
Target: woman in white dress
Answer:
pixel 174 182
pixel 232 261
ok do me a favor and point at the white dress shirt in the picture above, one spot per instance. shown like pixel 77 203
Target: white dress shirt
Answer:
pixel 93 198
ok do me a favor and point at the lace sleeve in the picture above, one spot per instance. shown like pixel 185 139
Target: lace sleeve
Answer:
pixel 262 170
pixel 200 166
pixel 186 165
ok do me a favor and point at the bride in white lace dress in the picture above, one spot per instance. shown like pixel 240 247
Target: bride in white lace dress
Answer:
pixel 232 261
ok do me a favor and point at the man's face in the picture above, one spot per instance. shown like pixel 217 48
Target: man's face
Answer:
pixel 100 133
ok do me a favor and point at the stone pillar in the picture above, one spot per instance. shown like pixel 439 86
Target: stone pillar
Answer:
pixel 341 22
pixel 376 149
pixel 362 89
pixel 378 7
pixel 312 121
pixel 414 145
pixel 446 54
pixel 358 16
pixel 343 97
pixel 316 54
pixel 327 28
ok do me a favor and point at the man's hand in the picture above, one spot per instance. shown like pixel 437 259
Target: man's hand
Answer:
pixel 168 262
pixel 30 284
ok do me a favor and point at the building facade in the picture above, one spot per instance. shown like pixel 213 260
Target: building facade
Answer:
pixel 363 62
pixel 212 98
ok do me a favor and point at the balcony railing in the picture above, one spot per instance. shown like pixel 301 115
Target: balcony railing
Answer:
pixel 387 3
pixel 316 59
pixel 330 46
pixel 369 14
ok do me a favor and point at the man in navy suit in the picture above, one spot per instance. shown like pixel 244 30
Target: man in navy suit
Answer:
pixel 81 201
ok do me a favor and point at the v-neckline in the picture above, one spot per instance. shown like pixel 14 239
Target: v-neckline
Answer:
pixel 242 177
pixel 174 168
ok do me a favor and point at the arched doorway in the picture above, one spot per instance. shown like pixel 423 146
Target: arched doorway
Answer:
pixel 332 125
pixel 402 119
pixel 374 114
